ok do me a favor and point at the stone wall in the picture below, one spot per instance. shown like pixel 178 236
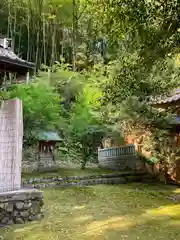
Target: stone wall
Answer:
pixel 113 178
pixel 120 158
pixel 18 207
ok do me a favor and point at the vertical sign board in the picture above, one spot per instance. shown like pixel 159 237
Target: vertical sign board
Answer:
pixel 11 139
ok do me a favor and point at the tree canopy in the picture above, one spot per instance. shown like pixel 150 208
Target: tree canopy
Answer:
pixel 123 51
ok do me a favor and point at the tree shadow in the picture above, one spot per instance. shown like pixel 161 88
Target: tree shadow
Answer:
pixel 159 222
pixel 153 223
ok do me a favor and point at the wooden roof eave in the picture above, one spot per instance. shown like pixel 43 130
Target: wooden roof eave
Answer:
pixel 166 104
pixel 23 64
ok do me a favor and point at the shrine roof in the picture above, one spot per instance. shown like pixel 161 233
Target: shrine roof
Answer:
pixel 49 136
pixel 9 57
pixel 170 98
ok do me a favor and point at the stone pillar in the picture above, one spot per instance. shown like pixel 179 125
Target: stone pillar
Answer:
pixel 11 137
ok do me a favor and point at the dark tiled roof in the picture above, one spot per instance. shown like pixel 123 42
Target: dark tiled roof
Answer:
pixel 172 97
pixel 8 56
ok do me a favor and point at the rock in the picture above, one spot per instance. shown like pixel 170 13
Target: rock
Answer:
pixel 20 197
pixel 16 213
pixel 3 206
pixel 5 220
pixel 41 203
pixel 10 207
pixel 19 221
pixel 24 214
pixel 73 184
pixel 36 217
pixel 27 205
pixel 2 214
pixel 19 205
pixel 175 198
pixel 35 208
pixel 10 222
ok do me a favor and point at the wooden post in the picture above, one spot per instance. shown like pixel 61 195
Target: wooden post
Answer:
pixel 27 77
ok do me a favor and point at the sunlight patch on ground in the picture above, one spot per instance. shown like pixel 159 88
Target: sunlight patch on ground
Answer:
pixel 83 218
pixel 177 190
pixel 79 207
pixel 26 228
pixel 169 210
pixel 111 223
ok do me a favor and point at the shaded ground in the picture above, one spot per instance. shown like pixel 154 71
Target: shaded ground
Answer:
pixel 136 211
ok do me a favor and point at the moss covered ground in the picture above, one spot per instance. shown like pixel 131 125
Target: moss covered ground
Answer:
pixel 130 211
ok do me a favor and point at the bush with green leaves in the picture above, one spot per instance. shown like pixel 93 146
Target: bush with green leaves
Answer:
pixel 41 108
pixel 85 126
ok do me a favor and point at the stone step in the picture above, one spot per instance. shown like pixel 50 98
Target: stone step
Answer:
pixel 88 182
pixel 71 178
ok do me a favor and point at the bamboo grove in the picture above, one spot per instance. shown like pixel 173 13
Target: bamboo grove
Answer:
pixel 42 31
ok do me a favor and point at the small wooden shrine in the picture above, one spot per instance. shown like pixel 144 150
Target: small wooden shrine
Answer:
pixel 47 147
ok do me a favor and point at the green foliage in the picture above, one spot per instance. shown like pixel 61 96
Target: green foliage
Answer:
pixel 128 77
pixel 135 45
pixel 142 114
pixel 85 125
pixel 145 37
pixel 68 85
pixel 40 108
pixel 149 160
pixel 81 120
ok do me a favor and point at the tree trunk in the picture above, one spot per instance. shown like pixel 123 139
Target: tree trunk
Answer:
pixel 83 164
pixel 74 36
pixel 44 39
pixel 85 154
pixel 28 28
pixel 53 44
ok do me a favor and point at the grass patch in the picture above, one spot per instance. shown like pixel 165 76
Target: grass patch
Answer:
pixel 131 211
